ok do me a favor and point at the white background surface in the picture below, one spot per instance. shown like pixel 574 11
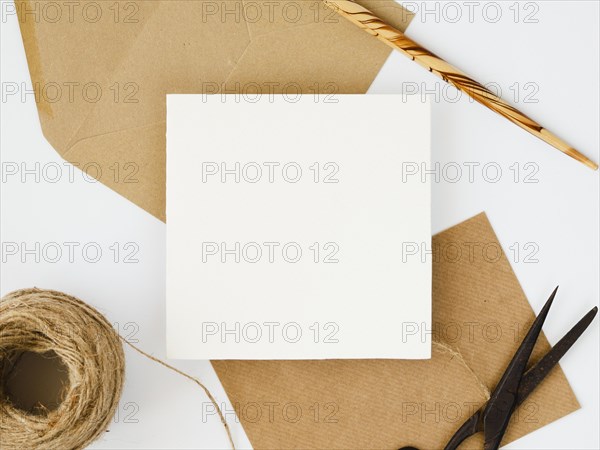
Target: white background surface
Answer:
pixel 558 215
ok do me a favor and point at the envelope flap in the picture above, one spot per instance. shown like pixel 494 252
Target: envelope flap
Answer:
pixel 164 59
pixel 326 64
pixel 265 17
pixel 487 327
pixel 180 46
pixel 72 48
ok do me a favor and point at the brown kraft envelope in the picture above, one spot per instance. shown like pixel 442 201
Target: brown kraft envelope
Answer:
pixel 101 70
pixel 480 315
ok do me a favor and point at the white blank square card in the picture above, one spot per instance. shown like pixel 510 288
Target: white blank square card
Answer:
pixel 295 227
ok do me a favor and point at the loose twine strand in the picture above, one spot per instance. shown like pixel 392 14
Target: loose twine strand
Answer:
pixel 195 380
pixel 43 322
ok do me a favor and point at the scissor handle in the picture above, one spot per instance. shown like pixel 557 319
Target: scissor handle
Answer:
pixel 471 426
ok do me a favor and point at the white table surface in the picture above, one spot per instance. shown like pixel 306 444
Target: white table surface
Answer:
pixel 552 65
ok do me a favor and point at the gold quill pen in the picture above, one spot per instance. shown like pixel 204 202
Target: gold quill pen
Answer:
pixel 389 35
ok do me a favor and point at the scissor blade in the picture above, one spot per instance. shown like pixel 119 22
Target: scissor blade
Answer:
pixel 503 400
pixel 531 379
pixel 542 368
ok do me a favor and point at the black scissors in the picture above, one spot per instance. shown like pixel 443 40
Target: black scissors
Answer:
pixel 516 384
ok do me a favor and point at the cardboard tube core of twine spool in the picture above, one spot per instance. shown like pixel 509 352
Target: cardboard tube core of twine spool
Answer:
pixel 80 341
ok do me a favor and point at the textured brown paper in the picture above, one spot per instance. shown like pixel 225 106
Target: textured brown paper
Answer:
pixel 135 52
pixel 480 315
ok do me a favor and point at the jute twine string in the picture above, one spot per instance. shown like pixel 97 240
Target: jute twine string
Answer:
pixel 455 353
pixel 42 321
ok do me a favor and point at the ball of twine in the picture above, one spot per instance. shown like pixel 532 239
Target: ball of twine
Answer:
pixel 41 321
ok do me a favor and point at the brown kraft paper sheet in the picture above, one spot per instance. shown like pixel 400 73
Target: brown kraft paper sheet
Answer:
pixel 480 315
